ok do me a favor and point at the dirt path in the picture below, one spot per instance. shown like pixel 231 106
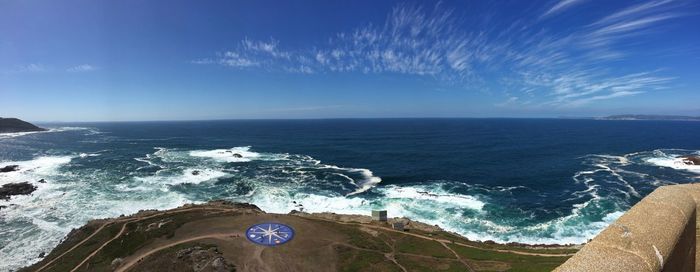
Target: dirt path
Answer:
pixel 135 259
pixel 121 231
pixel 100 248
pixel 392 255
pixel 458 257
pixel 75 246
pixel 125 222
pixel 448 241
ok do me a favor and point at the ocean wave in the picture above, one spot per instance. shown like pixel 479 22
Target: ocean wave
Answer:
pixel 66 199
pixel 236 154
pixel 433 194
pixel 188 175
pixel 672 160
pixel 282 169
pixel 49 130
pixel 86 155
pixel 33 170
pixel 604 188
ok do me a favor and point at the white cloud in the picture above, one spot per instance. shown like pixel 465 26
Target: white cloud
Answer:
pixel 546 67
pixel 29 68
pixel 202 61
pixel 561 6
pixel 234 59
pixel 82 68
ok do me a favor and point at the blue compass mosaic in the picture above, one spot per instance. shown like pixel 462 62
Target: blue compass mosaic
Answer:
pixel 269 234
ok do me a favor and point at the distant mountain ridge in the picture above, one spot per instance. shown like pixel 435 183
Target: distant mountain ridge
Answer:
pixel 650 117
pixel 10 125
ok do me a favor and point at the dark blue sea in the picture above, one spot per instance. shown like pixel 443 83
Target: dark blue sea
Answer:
pixel 523 180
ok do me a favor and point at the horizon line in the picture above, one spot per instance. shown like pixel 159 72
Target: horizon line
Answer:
pixel 301 119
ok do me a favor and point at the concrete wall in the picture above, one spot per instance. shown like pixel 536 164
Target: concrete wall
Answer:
pixel 657 234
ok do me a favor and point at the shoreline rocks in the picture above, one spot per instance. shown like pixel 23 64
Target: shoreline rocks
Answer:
pixel 690 160
pixel 9 168
pixel 21 188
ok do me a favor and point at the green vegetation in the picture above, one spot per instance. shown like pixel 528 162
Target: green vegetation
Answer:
pixel 348 247
pixel 517 262
pixel 138 234
pixel 74 257
pixel 427 264
pixel 454 238
pixel 362 239
pixel 362 260
pixel 415 245
pixel 166 260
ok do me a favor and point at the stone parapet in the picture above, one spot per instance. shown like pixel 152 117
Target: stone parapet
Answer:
pixel 657 234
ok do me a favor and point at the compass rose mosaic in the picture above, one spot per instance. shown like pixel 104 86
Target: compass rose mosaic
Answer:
pixel 269 234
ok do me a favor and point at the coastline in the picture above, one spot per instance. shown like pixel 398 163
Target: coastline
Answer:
pixel 150 239
pixel 104 231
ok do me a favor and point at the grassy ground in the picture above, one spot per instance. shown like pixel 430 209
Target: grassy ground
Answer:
pixel 319 245
pixel 490 260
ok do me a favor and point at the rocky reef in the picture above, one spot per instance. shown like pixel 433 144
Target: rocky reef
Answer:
pixel 20 188
pixel 690 160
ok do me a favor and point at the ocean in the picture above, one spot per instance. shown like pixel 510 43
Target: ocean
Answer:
pixel 507 180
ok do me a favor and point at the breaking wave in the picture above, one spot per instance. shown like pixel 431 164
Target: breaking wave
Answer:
pixel 73 193
pixel 49 130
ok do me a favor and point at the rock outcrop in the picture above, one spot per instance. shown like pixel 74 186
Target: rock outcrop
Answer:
pixel 21 188
pixel 235 155
pixel 9 168
pixel 690 160
pixel 199 258
pixel 10 125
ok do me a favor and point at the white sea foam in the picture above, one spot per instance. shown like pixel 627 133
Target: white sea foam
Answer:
pixel 282 182
pixel 367 182
pixel 49 130
pixel 282 201
pixel 85 155
pixel 17 134
pixel 431 194
pixel 65 201
pixel 360 179
pixel 188 175
pixel 673 162
pixel 227 155
pixel 33 170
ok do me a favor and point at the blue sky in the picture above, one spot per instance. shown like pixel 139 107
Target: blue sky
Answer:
pixel 183 60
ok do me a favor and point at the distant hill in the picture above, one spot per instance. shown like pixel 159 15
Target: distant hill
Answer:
pixel 9 125
pixel 650 117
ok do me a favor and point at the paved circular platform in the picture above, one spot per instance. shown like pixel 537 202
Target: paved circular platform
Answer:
pixel 269 234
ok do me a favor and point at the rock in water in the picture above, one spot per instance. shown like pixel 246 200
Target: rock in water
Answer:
pixel 10 189
pixel 195 172
pixel 9 168
pixel 691 160
pixel 236 155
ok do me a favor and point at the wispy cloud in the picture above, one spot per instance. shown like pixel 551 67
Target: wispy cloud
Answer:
pixel 29 68
pixel 561 6
pixel 527 62
pixel 306 108
pixel 82 68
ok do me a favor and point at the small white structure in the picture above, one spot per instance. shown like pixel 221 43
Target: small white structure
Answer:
pixel 379 215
